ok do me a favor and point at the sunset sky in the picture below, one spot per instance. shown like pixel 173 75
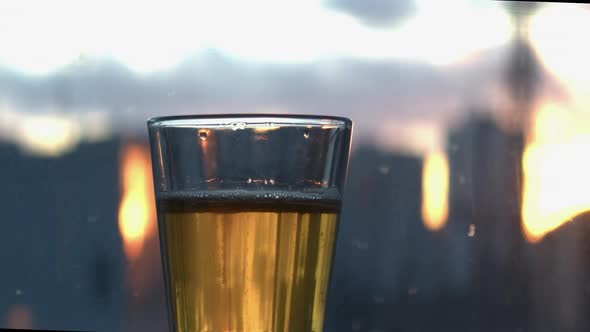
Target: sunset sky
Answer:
pixel 403 72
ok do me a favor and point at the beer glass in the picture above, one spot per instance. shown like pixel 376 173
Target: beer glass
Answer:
pixel 248 209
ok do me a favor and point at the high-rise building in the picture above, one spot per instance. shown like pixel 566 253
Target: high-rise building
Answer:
pixel 485 239
pixel 380 256
pixel 60 250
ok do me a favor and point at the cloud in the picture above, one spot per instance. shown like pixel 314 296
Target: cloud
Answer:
pixel 377 13
pixel 383 97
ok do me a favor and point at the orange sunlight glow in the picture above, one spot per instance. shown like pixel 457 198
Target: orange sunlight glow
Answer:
pixel 435 191
pixel 19 317
pixel 137 213
pixel 48 134
pixel 556 166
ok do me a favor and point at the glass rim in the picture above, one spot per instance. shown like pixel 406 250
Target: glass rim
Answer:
pixel 248 120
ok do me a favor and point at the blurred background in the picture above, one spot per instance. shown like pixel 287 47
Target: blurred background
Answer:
pixel 467 202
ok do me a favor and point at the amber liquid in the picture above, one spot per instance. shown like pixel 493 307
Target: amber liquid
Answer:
pixel 247 265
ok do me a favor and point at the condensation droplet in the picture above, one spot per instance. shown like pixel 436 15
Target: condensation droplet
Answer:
pixel 203 135
pixel 237 125
pixel 249 180
pixel 19 292
pixel 306 133
pixel 272 181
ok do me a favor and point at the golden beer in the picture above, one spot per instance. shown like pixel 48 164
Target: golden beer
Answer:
pixel 248 264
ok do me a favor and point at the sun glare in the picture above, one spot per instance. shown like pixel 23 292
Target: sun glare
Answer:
pixel 136 212
pixel 435 191
pixel 157 35
pixel 557 34
pixel 556 168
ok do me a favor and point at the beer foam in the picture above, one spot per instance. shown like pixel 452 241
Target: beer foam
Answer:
pixel 330 195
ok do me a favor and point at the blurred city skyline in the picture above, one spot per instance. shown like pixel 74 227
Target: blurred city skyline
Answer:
pixel 469 155
pixel 400 102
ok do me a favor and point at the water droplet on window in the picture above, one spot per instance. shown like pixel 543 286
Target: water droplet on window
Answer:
pixel 362 245
pixel 249 180
pixel 412 291
pixel 237 125
pixel 356 326
pixel 19 292
pixel 203 135
pixel 272 181
pixel 471 231
pixel 383 169
pixel 378 299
